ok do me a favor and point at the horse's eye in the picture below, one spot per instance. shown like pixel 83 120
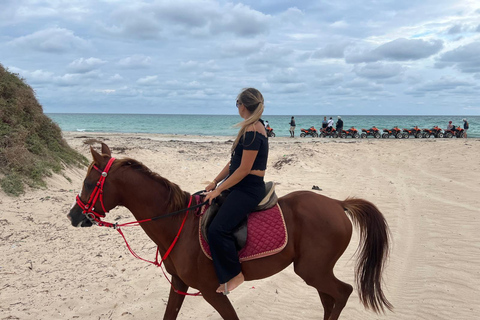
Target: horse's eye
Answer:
pixel 88 186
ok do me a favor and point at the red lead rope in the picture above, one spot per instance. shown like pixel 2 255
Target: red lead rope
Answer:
pixel 165 256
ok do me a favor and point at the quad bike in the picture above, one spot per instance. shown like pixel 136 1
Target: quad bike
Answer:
pixel 437 132
pixel 270 132
pixel 427 133
pixel 417 132
pixel 309 132
pixel 332 133
pixel 395 132
pixel 398 132
pixel 352 132
pixel 386 133
pixel 455 132
pixel 374 132
pixel 406 133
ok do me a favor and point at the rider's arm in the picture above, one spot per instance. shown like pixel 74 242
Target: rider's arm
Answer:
pixel 248 158
pixel 222 175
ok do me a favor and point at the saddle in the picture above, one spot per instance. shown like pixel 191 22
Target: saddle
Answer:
pixel 240 233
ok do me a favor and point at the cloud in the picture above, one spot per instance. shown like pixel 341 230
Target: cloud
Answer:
pixel 340 91
pixel 116 77
pixel 52 40
pixel 136 61
pixel 458 28
pixel 161 19
pixel 148 81
pixel 379 70
pixel 334 50
pixel 192 65
pixel 330 80
pixel 106 91
pixel 199 13
pixel 292 88
pixel 68 80
pixel 340 24
pixel 363 85
pixel 85 65
pixel 139 23
pixel 398 50
pixel 242 21
pixel 465 58
pixel 442 85
pixel 241 48
pixel 158 50
pixel 287 75
pixel 268 58
pixel 34 77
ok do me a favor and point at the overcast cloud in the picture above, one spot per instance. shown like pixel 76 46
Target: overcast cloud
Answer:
pixel 194 56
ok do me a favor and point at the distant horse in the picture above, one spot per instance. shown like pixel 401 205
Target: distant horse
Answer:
pixel 318 229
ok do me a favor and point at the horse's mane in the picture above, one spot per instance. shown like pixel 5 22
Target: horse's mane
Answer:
pixel 175 196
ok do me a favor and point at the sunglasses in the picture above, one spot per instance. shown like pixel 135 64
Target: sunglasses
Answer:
pixel 238 104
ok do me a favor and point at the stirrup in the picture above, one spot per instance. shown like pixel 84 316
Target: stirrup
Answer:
pixel 226 289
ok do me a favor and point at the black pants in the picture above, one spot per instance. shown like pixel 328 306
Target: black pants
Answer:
pixel 243 198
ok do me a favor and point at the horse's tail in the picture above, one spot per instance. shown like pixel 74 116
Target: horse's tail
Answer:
pixel 372 252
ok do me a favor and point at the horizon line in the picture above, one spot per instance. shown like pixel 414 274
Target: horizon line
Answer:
pixel 316 115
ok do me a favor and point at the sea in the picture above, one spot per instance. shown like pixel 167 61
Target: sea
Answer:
pixel 223 125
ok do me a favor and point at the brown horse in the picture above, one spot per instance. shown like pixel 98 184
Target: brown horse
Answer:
pixel 319 231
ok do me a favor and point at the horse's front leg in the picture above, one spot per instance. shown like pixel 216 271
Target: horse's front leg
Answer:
pixel 220 303
pixel 175 300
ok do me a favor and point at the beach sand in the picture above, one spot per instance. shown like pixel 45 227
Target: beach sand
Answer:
pixel 428 191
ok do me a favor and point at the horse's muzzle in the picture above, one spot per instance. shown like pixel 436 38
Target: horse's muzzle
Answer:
pixel 78 219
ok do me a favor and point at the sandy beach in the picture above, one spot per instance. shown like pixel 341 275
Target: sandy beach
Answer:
pixel 427 189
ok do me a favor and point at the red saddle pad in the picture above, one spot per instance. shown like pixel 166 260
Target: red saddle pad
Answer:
pixel 266 235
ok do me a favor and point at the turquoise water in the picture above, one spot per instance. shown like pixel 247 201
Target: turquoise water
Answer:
pixel 222 125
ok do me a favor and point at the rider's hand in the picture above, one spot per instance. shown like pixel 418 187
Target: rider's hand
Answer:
pixel 211 186
pixel 212 195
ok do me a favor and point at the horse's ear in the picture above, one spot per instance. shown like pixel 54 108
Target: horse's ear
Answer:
pixel 106 150
pixel 97 157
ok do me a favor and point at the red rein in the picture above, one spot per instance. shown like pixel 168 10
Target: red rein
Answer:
pixel 95 218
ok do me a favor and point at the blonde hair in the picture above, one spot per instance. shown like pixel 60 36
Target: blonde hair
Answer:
pixel 252 99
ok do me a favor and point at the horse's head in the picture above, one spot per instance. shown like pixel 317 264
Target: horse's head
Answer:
pixel 98 192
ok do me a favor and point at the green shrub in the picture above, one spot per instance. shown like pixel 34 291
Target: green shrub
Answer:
pixel 12 184
pixel 31 144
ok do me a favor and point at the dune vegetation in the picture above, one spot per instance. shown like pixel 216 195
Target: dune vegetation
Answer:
pixel 31 144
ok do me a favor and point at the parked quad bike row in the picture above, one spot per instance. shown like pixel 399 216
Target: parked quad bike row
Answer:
pixel 435 132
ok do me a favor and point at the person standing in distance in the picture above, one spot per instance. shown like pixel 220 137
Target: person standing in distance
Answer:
pixel 292 127
pixel 330 124
pixel 244 177
pixel 324 123
pixel 465 127
pixel 339 125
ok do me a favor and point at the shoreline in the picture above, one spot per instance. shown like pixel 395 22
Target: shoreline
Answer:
pixel 209 138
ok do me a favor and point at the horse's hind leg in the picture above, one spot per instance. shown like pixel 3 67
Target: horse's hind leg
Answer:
pixel 338 291
pixel 175 300
pixel 333 292
pixel 328 303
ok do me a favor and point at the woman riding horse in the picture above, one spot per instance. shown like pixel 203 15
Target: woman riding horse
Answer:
pixel 243 176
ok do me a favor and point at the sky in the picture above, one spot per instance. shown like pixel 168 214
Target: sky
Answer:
pixel 343 57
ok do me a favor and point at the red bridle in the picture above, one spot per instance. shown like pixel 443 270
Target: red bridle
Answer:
pixel 95 218
pixel 88 209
